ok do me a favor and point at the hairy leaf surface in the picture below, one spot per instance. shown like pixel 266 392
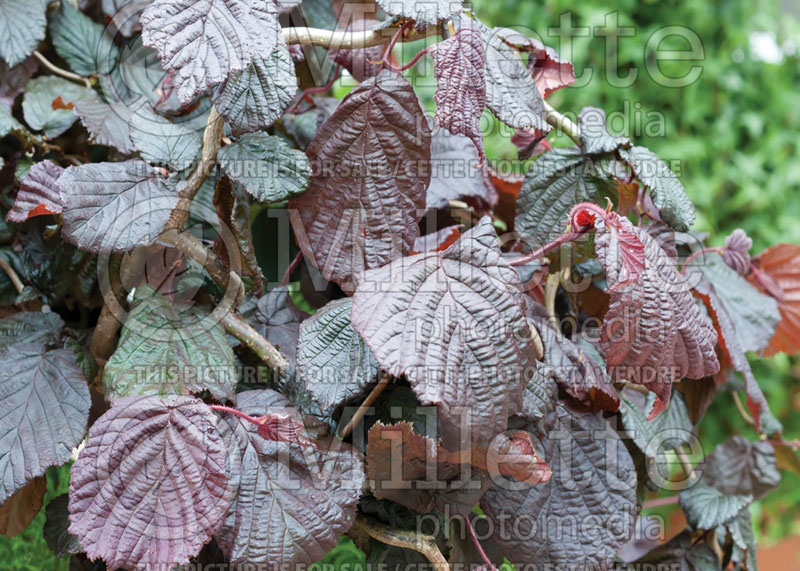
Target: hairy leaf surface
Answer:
pixel 22 27
pixel 45 405
pixel 291 503
pixel 370 164
pixel 460 96
pixel 666 190
pixel 202 43
pixel 333 361
pixel 255 97
pixel 165 349
pixel 38 194
pixel 653 333
pixel 453 322
pixel 113 207
pixel 593 478
pixel 150 487
pixel 266 166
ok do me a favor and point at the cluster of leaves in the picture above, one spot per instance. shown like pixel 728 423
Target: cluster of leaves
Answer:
pixel 479 377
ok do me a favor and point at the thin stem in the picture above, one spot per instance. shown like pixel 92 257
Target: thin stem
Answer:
pixel 562 123
pixel 212 142
pixel 62 72
pixel 235 412
pixel 697 254
pixel 12 275
pixel 659 502
pixel 351 40
pixel 362 410
pixel 387 53
pixel 563 239
pixel 287 275
pixel 409 65
pixel 419 542
pixel 478 545
pixel 742 411
pixel 311 90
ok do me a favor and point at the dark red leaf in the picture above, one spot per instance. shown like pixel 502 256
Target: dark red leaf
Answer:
pixel 453 323
pixel 781 265
pixel 370 161
pixel 654 333
pixel 460 94
pixel 38 194
pixel 550 73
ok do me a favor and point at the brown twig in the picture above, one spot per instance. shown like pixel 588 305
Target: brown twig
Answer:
pixel 12 275
pixel 419 542
pixel 212 142
pixel 362 410
pixel 62 72
pixel 265 351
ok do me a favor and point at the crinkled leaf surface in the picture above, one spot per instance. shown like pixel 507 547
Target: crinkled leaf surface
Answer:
pixel 333 361
pixel 782 264
pixel 108 123
pixel 681 552
pixel 42 109
pixel 203 42
pixel 755 315
pixel 653 333
pixel 45 405
pixel 30 327
pixel 453 322
pixel 255 97
pixel 674 205
pixel 370 164
pixel 38 194
pixel 740 532
pixel 113 207
pixel 455 174
pixel 738 466
pixel 170 350
pixel 19 510
pixel 594 483
pixel 268 168
pixel 555 183
pixel 460 96
pixel 150 487
pixel 82 42
pixel 164 142
pixel 275 316
pixel 22 27
pixel 595 138
pixel 55 530
pixel 510 91
pixel 291 503
pixel 427 13
pixel 707 507
pixel 124 14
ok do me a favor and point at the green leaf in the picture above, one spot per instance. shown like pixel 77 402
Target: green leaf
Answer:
pixel 255 98
pixel 38 104
pixel 666 191
pixel 266 166
pixel 82 42
pixel 22 27
pixel 333 361
pixel 30 327
pixel 160 141
pixel 667 431
pixel 754 314
pixel 706 507
pixel 166 350
pixel 556 182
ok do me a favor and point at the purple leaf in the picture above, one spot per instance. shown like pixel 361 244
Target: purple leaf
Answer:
pixel 424 13
pixel 38 194
pixel 370 161
pixel 460 96
pixel 203 42
pixel 45 404
pixel 150 487
pixel 737 251
pixel 549 72
pixel 113 207
pixel 593 485
pixel 291 503
pixel 653 333
pixel 453 323
pixel 361 62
